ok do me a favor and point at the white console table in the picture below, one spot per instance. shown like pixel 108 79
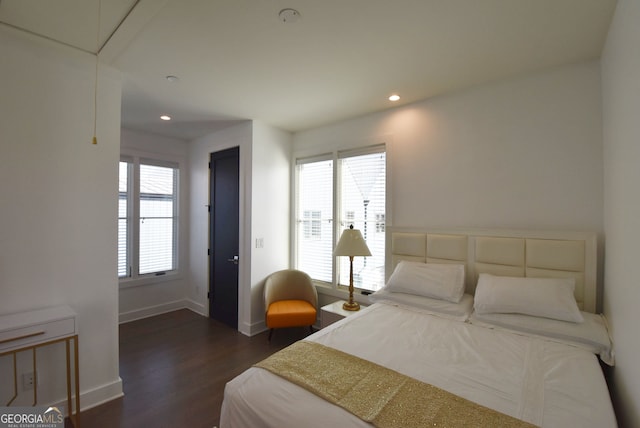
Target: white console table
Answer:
pixel 28 331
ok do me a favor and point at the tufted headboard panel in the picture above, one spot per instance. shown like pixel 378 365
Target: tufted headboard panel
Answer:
pixel 542 254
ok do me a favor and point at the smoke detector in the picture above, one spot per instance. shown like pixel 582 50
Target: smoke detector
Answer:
pixel 289 16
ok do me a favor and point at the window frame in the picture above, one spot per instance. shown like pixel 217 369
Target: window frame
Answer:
pixel 134 160
pixel 336 156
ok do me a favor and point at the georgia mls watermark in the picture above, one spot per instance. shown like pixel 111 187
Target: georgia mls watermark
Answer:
pixel 31 417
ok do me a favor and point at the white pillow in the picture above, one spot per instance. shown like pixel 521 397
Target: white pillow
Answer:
pixel 457 311
pixel 438 281
pixel 592 334
pixel 538 297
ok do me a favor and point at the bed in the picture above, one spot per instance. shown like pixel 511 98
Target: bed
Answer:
pixel 537 363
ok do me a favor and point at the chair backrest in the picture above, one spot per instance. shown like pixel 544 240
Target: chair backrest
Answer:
pixel 289 284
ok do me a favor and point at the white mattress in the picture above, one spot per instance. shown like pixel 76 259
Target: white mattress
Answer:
pixel 546 383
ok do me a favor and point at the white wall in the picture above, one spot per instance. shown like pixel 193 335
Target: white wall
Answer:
pixel 270 212
pixel 621 108
pixel 199 152
pixel 58 235
pixel 143 298
pixel 523 153
pixel 265 154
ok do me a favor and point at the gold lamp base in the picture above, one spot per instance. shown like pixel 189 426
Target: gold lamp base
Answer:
pixel 351 306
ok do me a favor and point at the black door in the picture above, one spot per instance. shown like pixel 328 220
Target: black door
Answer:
pixel 223 239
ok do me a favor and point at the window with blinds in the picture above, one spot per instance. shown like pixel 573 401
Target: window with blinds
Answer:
pixel 158 204
pixel 349 187
pixel 362 203
pixel 315 218
pixel 148 217
pixel 123 220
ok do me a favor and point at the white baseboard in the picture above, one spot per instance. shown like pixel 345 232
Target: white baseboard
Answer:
pixel 150 311
pixel 196 307
pixel 100 395
pixel 95 396
pixel 256 328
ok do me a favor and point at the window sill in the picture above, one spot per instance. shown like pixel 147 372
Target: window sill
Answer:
pixel 149 280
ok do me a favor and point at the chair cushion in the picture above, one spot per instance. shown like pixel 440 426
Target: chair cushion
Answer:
pixel 290 313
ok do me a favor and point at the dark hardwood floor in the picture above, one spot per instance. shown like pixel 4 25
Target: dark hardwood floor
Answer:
pixel 174 368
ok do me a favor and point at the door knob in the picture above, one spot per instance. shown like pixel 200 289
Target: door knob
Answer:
pixel 234 260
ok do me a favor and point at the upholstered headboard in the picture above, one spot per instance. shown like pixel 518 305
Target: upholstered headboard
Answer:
pixel 546 254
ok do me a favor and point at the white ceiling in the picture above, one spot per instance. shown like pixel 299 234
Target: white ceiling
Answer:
pixel 236 60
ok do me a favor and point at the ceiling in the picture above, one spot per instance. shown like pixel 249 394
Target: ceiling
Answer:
pixel 237 60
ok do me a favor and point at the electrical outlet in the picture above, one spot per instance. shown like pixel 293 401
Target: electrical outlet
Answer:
pixel 28 380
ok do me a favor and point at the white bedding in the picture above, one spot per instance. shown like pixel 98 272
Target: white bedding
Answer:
pixel 543 382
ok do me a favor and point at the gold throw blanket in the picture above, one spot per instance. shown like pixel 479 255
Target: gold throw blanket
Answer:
pixel 376 394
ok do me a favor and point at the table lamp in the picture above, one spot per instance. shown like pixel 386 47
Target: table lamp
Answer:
pixel 351 244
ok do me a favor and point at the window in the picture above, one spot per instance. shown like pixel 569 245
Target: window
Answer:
pixel 148 193
pixel 312 224
pixel 349 186
pixel 315 195
pixel 380 222
pixel 123 219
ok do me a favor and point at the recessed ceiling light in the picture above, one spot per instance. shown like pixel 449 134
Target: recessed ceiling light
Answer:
pixel 165 117
pixel 394 97
pixel 172 78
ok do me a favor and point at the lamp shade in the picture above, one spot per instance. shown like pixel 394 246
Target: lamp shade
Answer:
pixel 351 243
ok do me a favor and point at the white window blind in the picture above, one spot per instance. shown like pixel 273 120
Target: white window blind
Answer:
pixel 158 189
pixel 314 218
pixel 362 203
pixel 123 220
pixel 355 185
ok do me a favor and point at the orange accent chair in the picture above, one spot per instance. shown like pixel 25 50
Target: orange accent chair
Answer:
pixel 290 299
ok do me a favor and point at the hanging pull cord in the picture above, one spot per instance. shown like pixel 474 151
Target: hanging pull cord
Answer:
pixel 95 85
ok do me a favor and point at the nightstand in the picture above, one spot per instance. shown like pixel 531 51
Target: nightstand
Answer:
pixel 333 312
